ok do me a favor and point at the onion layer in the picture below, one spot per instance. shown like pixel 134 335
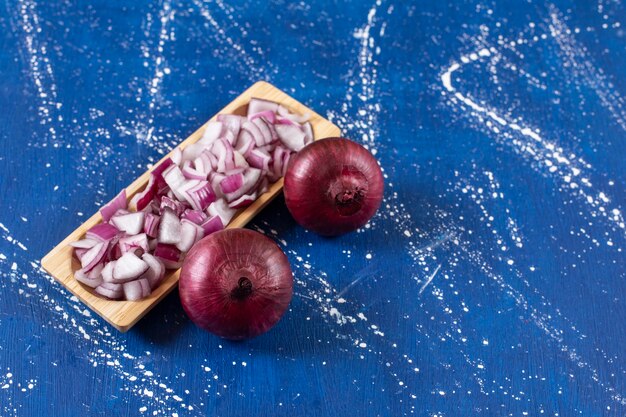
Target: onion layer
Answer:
pixel 333 186
pixel 235 283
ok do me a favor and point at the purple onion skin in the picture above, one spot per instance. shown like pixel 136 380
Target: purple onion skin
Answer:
pixel 235 283
pixel 333 186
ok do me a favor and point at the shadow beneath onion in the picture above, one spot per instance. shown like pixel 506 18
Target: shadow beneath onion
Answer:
pixel 301 333
pixel 165 322
pixel 275 217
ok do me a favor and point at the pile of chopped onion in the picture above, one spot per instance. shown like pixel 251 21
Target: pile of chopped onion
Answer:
pixel 193 193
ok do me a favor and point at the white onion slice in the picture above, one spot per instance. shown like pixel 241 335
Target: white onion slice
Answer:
pixel 134 243
pixel 107 271
pixel 90 280
pixel 211 133
pixel 258 105
pixel 110 290
pixel 131 223
pixel 155 272
pixel 169 227
pixel 243 201
pixel 176 156
pixel 268 115
pixel 94 256
pixel 251 177
pixel 264 129
pixel 291 136
pixel 136 290
pixel 285 113
pixel 128 267
pixel 84 243
pixel 190 233
pixel 259 158
pixel 174 178
pixel 220 208
pixel 117 203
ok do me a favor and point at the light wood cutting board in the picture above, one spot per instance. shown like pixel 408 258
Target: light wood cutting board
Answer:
pixel 124 314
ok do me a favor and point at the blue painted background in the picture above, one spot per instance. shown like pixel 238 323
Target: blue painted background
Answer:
pixel 492 282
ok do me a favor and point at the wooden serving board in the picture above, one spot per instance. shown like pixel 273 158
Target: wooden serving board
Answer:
pixel 124 314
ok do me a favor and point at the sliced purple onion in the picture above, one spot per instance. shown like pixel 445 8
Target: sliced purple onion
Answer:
pixel 168 254
pixel 215 178
pixel 128 267
pixel 131 223
pixel 232 182
pixel 158 170
pixel 202 164
pixel 212 225
pixel 96 272
pixel 258 105
pixel 190 233
pixel 209 160
pixel 255 132
pixel 280 160
pixel 193 151
pixel 308 133
pixel 151 224
pixel 134 243
pixel 110 290
pixel 223 151
pixel 85 243
pixel 291 136
pixel 169 227
pixel 176 206
pixel 259 158
pixel 192 173
pixel 155 272
pixel 199 194
pixel 231 122
pixel 251 177
pixel 240 160
pixel 194 216
pixel 264 129
pixel 176 156
pixel 107 271
pixel 212 132
pixel 245 142
pixel 285 113
pixel 136 290
pixel 156 186
pixel 243 201
pixel 94 256
pixel 268 115
pixel 102 231
pixel 220 209
pixel 175 179
pixel 262 186
pixel 280 120
pixel 79 252
pixel 90 280
pixel 120 212
pixel 114 251
pixel 229 137
pixel 119 202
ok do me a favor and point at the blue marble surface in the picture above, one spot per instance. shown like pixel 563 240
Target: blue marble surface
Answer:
pixel 492 282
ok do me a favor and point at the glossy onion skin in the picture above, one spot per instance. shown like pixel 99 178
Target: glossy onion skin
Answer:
pixel 316 174
pixel 210 275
